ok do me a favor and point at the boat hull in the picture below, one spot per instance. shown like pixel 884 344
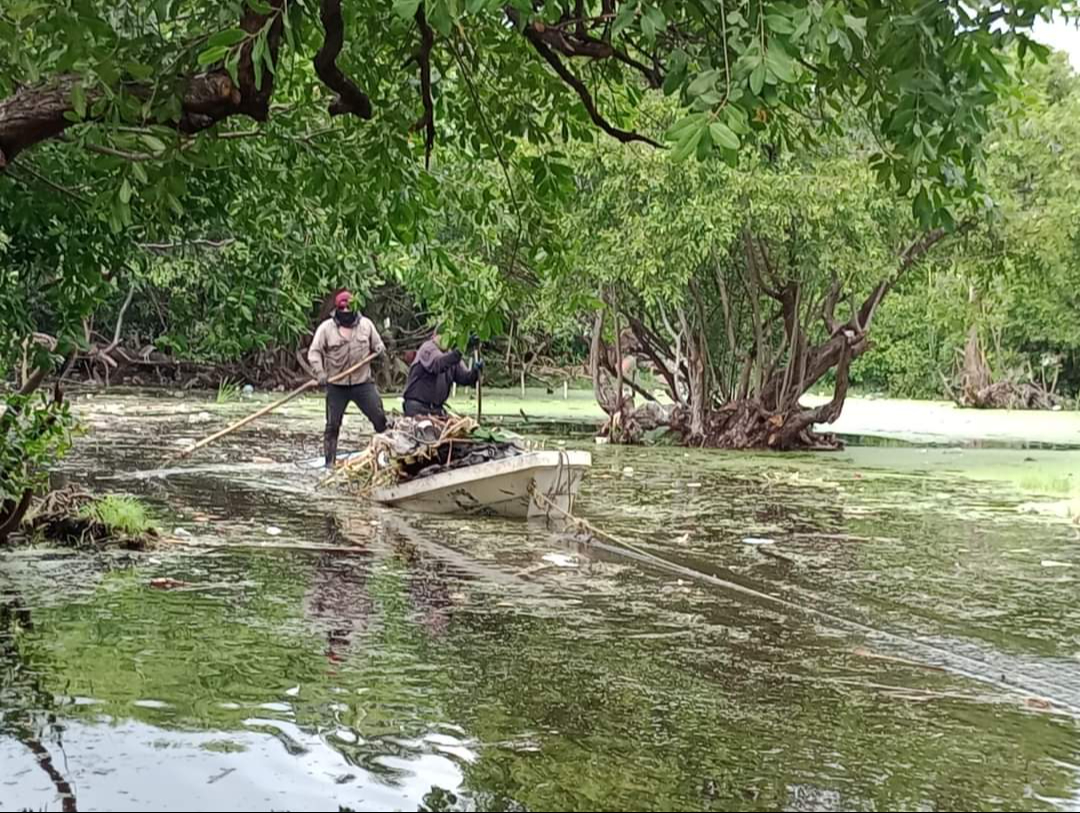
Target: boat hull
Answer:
pixel 501 488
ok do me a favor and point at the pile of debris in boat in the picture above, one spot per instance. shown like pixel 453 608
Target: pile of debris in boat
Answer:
pixel 413 448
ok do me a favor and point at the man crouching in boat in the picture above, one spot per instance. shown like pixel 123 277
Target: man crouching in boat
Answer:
pixel 341 342
pixel 431 375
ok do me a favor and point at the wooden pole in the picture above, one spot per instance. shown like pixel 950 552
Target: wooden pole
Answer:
pixel 479 388
pixel 267 409
pixel 619 374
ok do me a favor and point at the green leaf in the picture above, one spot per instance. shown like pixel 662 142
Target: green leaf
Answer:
pixel 1041 51
pixel 921 207
pixel 78 100
pixel 155 144
pixel 212 55
pixel 439 17
pixel 652 22
pixel 688 143
pixel 125 192
pixel 803 26
pixel 232 36
pixel 406 9
pixel 737 119
pixel 119 214
pixel 232 65
pixel 937 101
pixel 684 125
pixel 856 24
pixel 779 23
pixel 780 63
pixel 703 82
pixel 626 15
pixel 174 204
pixel 757 79
pixel 139 173
pixel 260 6
pixel 710 99
pixel 648 28
pixel 476 6
pixel 676 75
pixel 722 135
pixel 258 52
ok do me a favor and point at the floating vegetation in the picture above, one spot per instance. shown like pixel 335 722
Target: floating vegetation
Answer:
pixel 78 519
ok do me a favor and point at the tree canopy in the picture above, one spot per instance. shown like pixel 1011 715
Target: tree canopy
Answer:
pixel 481 73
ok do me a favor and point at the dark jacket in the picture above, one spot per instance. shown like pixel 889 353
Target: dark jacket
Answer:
pixel 433 372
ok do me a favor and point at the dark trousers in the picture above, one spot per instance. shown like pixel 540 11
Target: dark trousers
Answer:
pixel 338 397
pixel 414 408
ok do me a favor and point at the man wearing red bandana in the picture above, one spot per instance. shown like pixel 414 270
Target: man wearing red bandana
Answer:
pixel 342 341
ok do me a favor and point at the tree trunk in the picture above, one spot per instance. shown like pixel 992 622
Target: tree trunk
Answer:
pixel 41 112
pixel 764 409
pixel 11 515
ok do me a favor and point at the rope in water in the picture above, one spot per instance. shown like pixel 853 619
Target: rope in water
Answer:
pixel 954 662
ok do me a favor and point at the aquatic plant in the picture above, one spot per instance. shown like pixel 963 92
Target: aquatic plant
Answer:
pixel 120 515
pixel 228 391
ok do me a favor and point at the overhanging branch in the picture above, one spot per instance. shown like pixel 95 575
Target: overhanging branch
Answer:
pixel 537 35
pixel 41 112
pixel 423 59
pixel 350 98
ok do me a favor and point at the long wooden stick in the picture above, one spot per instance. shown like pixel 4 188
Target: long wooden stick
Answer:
pixel 266 409
pixel 479 388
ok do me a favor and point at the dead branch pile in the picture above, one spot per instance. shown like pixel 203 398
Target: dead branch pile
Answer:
pixel 419 447
pixel 974 385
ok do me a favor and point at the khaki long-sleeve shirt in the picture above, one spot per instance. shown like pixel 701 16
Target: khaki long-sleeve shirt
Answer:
pixel 332 353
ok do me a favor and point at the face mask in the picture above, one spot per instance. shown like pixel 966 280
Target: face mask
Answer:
pixel 346 318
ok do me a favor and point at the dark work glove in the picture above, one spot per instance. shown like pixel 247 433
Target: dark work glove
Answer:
pixel 478 364
pixel 474 342
pixel 322 381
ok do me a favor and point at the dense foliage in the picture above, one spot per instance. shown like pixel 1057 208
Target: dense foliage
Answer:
pixel 217 167
pixel 1016 279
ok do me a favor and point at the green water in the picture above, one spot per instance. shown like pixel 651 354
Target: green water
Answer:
pixel 883 629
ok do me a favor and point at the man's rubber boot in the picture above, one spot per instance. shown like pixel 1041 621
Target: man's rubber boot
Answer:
pixel 330 450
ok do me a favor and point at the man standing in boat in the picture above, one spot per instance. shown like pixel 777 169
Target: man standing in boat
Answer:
pixel 433 372
pixel 341 342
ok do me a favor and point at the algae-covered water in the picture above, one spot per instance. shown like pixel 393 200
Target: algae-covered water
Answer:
pixel 879 629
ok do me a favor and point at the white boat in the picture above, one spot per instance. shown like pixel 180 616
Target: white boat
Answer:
pixel 499 488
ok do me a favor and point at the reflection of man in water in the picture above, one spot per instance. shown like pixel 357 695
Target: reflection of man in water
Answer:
pixel 338 599
pixel 429 589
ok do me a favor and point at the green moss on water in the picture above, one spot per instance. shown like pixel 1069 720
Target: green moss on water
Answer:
pixel 224 747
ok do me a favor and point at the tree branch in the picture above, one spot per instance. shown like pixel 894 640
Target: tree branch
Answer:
pixel 162 248
pixel 908 258
pixel 828 306
pixel 595 368
pixel 350 97
pixel 534 33
pixel 102 149
pixel 651 344
pixel 423 59
pixel 40 112
pixel 63 190
pixel 120 322
pixel 826 413
pixel 34 114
